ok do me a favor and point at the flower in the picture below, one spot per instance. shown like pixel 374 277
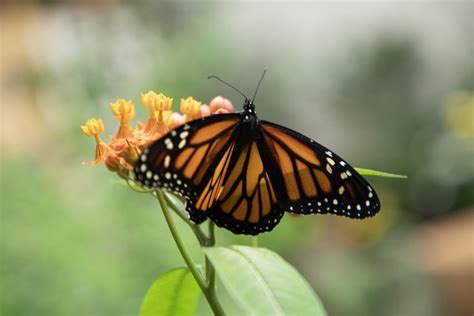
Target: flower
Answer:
pixel 177 119
pixel 205 110
pixel 114 159
pixel 220 105
pixel 93 128
pixel 159 107
pixel 191 108
pixel 155 101
pixel 123 149
pixel 124 111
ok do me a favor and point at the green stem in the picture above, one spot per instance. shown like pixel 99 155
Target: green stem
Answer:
pixel 210 271
pixel 254 241
pixel 212 236
pixel 201 236
pixel 208 292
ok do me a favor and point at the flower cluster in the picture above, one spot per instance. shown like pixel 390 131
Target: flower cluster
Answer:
pixel 121 152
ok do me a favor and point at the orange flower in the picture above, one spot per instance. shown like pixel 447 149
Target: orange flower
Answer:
pixel 190 108
pixel 159 107
pixel 93 128
pixel 106 152
pixel 120 154
pixel 124 111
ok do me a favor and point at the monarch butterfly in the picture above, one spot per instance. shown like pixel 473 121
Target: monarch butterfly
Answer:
pixel 244 173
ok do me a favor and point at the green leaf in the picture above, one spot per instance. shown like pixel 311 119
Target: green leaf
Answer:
pixel 174 293
pixel 262 282
pixel 370 172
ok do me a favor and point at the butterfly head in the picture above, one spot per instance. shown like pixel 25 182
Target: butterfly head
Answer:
pixel 249 107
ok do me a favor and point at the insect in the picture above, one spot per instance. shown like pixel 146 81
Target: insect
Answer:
pixel 243 173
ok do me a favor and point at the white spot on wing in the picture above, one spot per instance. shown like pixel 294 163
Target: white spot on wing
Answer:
pixel 329 169
pixel 169 144
pixel 341 189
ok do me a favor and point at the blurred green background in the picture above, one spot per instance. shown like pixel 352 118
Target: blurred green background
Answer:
pixel 388 85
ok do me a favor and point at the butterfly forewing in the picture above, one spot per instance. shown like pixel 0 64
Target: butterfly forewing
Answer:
pixel 188 158
pixel 315 179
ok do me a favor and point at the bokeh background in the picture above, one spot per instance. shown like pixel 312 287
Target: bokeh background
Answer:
pixel 386 84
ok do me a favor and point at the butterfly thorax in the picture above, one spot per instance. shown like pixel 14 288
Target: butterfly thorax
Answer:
pixel 249 116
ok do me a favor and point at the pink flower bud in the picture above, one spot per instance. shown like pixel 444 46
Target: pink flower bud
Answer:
pixel 220 102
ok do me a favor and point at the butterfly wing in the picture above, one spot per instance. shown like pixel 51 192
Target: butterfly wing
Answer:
pixel 188 158
pixel 315 179
pixel 247 201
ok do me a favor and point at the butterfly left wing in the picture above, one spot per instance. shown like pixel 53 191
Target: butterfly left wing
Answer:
pixel 186 159
pixel 247 202
pixel 315 179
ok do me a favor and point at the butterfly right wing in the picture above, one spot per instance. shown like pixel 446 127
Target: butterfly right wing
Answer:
pixel 315 179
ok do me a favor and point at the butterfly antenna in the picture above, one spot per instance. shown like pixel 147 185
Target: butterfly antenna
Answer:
pixel 227 84
pixel 259 82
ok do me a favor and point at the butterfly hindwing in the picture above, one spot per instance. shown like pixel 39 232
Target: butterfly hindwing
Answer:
pixel 247 201
pixel 315 179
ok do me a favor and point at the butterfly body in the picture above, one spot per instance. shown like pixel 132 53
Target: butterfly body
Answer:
pixel 244 173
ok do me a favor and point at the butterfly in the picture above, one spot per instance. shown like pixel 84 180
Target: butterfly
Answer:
pixel 243 173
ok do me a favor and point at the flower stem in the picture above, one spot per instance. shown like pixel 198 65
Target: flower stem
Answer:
pixel 201 236
pixel 208 291
pixel 210 271
pixel 254 241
